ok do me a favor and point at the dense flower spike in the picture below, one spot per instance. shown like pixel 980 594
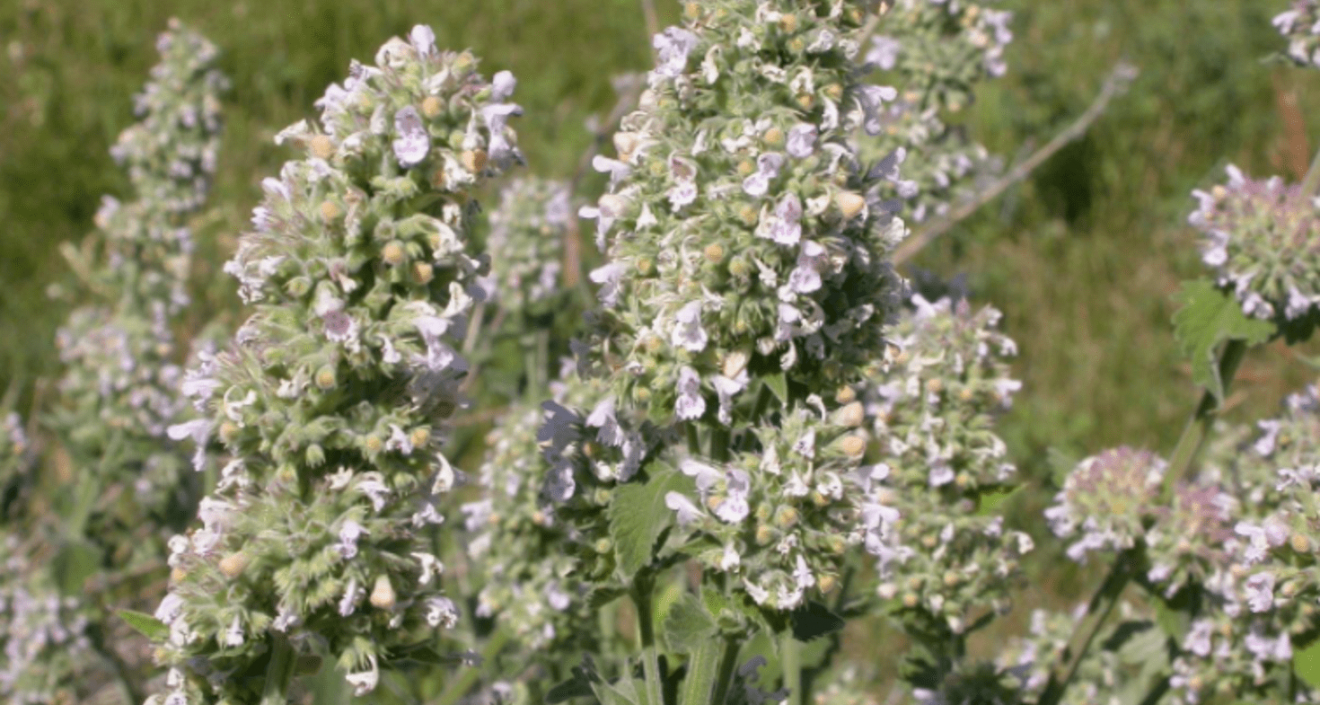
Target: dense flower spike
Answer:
pixel 1262 239
pixel 526 240
pixel 747 275
pixel 42 633
pixel 331 404
pixel 120 390
pixel 936 52
pixel 1300 25
pixel 933 413
pixel 527 581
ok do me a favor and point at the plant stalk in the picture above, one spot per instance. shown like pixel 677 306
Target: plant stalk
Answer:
pixel 641 595
pixel 709 669
pixel 790 657
pixel 279 674
pixel 1199 426
pixel 728 664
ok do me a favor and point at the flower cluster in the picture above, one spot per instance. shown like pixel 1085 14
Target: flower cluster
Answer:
pixel 932 414
pixel 747 272
pixel 527 582
pixel 1262 239
pixel 119 392
pixel 331 402
pixel 937 52
pixel 1263 594
pixel 16 450
pixel 1107 498
pixel 1301 27
pixel 42 633
pixel 526 240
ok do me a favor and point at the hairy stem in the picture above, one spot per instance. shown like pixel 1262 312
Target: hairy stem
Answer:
pixel 724 679
pixel 641 595
pixel 706 671
pixel 1184 455
pixel 790 656
pixel 459 687
pixel 279 674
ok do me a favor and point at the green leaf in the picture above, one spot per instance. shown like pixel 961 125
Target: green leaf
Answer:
pixel 621 692
pixel 1207 318
pixel 778 385
pixel 814 620
pixel 576 687
pixel 145 624
pixel 688 625
pixel 1306 662
pixel 990 502
pixel 75 562
pixel 638 516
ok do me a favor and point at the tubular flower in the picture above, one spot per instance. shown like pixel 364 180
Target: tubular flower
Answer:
pixel 332 400
pixel 1107 498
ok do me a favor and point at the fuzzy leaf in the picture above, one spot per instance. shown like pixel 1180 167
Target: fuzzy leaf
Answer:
pixel 688 625
pixel 814 620
pixel 1207 318
pixel 75 562
pixel 638 515
pixel 778 385
pixel 145 624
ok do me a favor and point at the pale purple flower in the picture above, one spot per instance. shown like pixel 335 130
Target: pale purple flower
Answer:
pixel 413 143
pixel 883 53
pixel 784 225
pixel 802 140
pixel 768 166
pixel 502 86
pixel 609 278
pixel 1260 591
pixel 805 277
pixel 423 40
pixel 872 100
pixel 672 48
pixel 349 534
pixel 686 510
pixel 441 612
pixel 690 404
pixel 735 506
pixel 688 333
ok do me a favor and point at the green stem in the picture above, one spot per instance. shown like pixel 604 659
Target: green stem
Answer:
pixel 1202 421
pixel 1184 456
pixel 279 674
pixel 724 679
pixel 719 444
pixel 790 656
pixel 641 595
pixel 459 687
pixel 1312 176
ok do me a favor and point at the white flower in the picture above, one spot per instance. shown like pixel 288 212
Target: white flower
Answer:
pixel 349 534
pixel 690 404
pixel 502 86
pixel 348 602
pixel 687 511
pixel 365 681
pixel 609 277
pixel 730 560
pixel 768 166
pixel 440 612
pixel 413 143
pixel 688 333
pixel 735 506
pixel 170 609
pixel 672 48
pixel 784 225
pixel 802 140
pixel 602 417
pixel 422 39
pixel 234 634
pixel 1260 591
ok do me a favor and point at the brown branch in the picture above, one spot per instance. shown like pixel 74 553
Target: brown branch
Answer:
pixel 1117 84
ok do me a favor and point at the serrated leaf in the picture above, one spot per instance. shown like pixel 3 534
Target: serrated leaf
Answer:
pixel 1207 318
pixel 814 620
pixel 688 625
pixel 990 502
pixel 75 562
pixel 638 515
pixel 145 624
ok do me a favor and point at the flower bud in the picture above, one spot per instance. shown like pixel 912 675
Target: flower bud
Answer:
pixel 432 106
pixel 325 378
pixel 714 253
pixel 234 564
pixel 323 147
pixel 474 160
pixel 394 253
pixel 422 273
pixel 330 211
pixel 850 204
pixel 845 395
pixel 1300 543
pixel 853 445
pixel 786 517
pixel 774 136
pixel 228 432
pixel 625 143
pixel 850 416
pixel 382 595
pixel 788 22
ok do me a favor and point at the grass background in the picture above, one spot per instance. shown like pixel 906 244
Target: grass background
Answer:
pixel 1082 257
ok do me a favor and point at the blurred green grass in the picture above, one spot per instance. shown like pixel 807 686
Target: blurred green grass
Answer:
pixel 1082 257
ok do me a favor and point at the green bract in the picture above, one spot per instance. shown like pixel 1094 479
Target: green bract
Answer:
pixel 332 401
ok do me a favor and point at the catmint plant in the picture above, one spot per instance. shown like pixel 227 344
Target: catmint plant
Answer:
pixel 747 287
pixel 527 231
pixel 936 53
pixel 332 401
